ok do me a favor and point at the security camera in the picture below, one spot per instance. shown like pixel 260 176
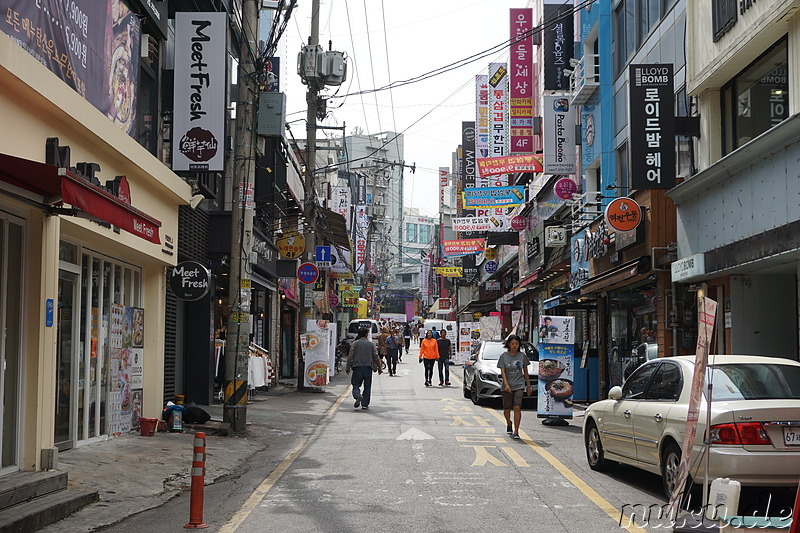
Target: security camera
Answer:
pixel 574 62
pixel 195 201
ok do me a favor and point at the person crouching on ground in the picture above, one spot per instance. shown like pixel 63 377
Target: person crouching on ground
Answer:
pixel 429 354
pixel 513 365
pixel 444 346
pixel 363 359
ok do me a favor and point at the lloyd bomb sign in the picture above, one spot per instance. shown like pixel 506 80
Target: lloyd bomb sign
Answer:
pixel 190 280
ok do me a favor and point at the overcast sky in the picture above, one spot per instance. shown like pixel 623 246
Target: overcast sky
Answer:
pixel 394 40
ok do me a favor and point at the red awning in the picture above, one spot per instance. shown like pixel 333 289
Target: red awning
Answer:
pixel 59 185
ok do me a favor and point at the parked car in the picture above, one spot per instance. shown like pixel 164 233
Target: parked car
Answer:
pixel 483 380
pixel 755 421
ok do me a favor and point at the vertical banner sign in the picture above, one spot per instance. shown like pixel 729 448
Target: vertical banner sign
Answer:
pixel 424 275
pixel 362 228
pixel 558 44
pixel 444 175
pixel 707 314
pixel 482 126
pixel 498 106
pixel 468 169
pixel 340 203
pixel 200 82
pixel 652 116
pixel 556 354
pixel 558 120
pixel 90 45
pixel 521 70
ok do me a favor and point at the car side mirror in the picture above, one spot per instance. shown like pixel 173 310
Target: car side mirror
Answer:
pixel 615 393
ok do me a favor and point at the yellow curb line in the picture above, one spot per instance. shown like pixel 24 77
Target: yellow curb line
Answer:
pixel 258 495
pixel 573 478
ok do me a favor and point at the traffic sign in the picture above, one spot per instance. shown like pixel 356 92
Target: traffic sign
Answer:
pixel 323 256
pixel 333 299
pixel 307 273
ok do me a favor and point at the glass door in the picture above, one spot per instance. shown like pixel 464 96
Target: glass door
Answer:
pixel 67 351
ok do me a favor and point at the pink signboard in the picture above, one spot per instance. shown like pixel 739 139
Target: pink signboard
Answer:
pixel 463 247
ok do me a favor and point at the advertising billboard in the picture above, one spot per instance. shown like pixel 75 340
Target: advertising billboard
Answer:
pixel 560 155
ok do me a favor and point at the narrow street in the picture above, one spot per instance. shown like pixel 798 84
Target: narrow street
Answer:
pixel 421 459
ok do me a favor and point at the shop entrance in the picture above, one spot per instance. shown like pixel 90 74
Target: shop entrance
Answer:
pixel 287 343
pixel 11 312
pixel 94 397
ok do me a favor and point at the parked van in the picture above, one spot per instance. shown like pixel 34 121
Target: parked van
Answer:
pixel 358 323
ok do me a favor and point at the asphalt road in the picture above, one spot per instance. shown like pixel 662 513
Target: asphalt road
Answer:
pixel 426 459
pixel 421 459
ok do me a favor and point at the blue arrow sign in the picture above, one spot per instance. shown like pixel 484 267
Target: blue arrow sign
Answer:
pixel 322 253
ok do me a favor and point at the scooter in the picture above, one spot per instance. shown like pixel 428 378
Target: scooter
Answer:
pixel 342 351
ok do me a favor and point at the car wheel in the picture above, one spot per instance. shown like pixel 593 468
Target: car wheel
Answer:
pixel 474 393
pixel 670 464
pixel 465 387
pixel 594 448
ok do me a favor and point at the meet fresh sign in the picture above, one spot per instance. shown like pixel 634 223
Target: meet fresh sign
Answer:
pixel 190 280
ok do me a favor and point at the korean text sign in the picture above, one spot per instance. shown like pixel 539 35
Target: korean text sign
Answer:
pixel 652 118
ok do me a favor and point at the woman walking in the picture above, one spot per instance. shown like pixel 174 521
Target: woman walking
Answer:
pixel 513 365
pixel 407 339
pixel 382 344
pixel 415 332
pixel 428 354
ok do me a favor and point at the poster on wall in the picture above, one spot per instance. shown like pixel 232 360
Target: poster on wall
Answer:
pixel 316 356
pixel 556 354
pixel 92 45
pixel 120 400
pixel 133 327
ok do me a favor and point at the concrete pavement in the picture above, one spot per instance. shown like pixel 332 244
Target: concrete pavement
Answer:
pixel 133 473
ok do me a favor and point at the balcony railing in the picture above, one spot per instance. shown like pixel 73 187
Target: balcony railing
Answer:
pixel 585 79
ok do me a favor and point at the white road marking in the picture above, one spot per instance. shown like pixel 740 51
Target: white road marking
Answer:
pixel 415 434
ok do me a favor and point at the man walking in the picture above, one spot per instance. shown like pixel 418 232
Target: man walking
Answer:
pixel 393 347
pixel 444 358
pixel 407 339
pixel 364 360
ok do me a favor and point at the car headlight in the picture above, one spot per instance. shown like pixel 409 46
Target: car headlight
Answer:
pixel 489 376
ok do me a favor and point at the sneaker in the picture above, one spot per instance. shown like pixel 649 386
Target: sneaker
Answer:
pixel 367 407
pixel 515 436
pixel 509 430
pixel 358 402
pixel 447 383
pixel 441 383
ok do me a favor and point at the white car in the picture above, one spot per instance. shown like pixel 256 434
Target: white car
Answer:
pixel 755 421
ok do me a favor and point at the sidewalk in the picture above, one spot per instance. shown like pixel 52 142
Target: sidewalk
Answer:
pixel 132 473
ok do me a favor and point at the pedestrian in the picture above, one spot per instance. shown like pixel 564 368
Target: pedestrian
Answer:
pixel 428 354
pixel 444 345
pixel 363 360
pixel 513 365
pixel 415 332
pixel 407 338
pixel 382 342
pixel 435 333
pixel 393 346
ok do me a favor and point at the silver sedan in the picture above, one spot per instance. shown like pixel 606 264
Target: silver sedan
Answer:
pixel 482 378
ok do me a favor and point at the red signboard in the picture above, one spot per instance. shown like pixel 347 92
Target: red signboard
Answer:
pixel 463 247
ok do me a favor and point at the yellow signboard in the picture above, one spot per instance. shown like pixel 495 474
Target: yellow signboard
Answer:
pixel 291 246
pixel 450 272
pixel 490 254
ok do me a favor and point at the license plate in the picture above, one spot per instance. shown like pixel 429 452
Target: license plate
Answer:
pixel 791 436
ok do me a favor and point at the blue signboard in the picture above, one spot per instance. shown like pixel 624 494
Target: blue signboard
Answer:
pixel 322 253
pixel 48 317
pixel 490 267
pixel 480 197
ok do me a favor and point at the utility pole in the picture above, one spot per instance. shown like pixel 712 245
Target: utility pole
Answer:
pixel 237 345
pixel 312 95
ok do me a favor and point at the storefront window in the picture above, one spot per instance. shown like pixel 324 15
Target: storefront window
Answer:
pixel 757 99
pixel 633 321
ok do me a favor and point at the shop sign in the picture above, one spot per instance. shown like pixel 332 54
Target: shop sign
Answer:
pixel 490 254
pixel 558 123
pixel 519 223
pixel 597 242
pixel 555 236
pixel 557 46
pixel 190 280
pixel 688 267
pixel 333 299
pixel 291 246
pixel 476 198
pixel 652 120
pixel 490 267
pixel 509 164
pixel 492 285
pixel 623 214
pixel 444 304
pixel 449 272
pixel 565 188
pixel 349 299
pixel 578 277
pixel 199 118
pixel 463 247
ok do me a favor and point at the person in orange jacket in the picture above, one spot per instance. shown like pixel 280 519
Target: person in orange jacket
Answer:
pixel 429 354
